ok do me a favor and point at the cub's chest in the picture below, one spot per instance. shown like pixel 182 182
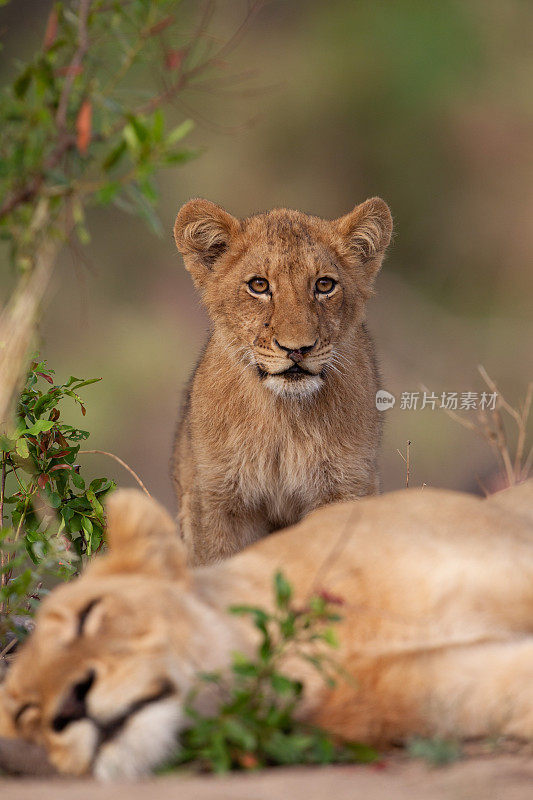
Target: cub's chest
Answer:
pixel 284 473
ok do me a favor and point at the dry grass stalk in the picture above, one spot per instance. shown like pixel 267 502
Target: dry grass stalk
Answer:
pixel 490 426
pixel 407 461
pixel 122 463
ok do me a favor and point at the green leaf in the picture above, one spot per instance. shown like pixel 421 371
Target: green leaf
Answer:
pixel 107 193
pixel 67 514
pixel 145 209
pixel 361 753
pixel 141 131
pixel 86 383
pixel 22 83
pixel 179 133
pixel 87 527
pixel 148 190
pixel 259 615
pixel 95 503
pixel 330 637
pixel 54 499
pixel 6 444
pixel 180 157
pixel 40 426
pixel 96 538
pixel 115 156
pixel 283 685
pixel 22 448
pixel 244 667
pixel 131 139
pixel 74 523
pixel 239 734
pixel 283 591
pixel 158 126
pixel 78 481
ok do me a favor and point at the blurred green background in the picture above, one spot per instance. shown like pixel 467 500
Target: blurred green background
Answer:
pixel 427 104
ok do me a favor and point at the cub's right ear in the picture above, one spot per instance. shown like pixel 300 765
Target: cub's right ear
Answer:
pixel 203 233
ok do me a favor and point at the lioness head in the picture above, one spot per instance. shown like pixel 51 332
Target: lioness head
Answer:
pixel 286 290
pixel 95 684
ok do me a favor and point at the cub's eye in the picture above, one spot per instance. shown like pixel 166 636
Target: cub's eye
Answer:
pixel 325 285
pixel 259 285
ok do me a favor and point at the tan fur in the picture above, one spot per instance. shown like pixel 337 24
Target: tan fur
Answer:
pixel 437 627
pixel 256 449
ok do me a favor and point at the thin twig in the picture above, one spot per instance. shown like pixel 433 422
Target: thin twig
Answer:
pixel 528 463
pixel 521 441
pixel 33 186
pixel 75 64
pixel 501 399
pixel 407 461
pixel 464 422
pixel 122 463
pixel 187 75
pixel 502 446
pixel 490 427
pixel 9 646
pixel 64 141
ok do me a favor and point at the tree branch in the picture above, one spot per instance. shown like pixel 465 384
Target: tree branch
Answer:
pixel 122 463
pixel 74 66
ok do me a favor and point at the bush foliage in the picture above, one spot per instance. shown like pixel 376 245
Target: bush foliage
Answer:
pixel 53 518
pixel 257 722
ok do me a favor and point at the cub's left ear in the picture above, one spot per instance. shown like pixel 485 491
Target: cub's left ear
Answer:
pixel 365 234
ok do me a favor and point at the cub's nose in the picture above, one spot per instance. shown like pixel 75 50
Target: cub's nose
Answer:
pixel 296 354
pixel 73 706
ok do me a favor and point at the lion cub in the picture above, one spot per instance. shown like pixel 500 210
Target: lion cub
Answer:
pixel 280 416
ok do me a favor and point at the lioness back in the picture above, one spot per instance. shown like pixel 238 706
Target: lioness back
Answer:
pixel 280 415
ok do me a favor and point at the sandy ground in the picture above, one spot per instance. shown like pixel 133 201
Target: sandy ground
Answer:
pixel 502 777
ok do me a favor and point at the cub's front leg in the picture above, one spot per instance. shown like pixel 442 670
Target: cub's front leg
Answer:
pixel 214 528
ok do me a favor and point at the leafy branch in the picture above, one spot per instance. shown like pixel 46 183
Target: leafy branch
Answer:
pixel 256 724
pixel 54 518
pixel 73 138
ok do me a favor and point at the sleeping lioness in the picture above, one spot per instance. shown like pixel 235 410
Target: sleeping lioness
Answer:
pixel 437 629
pixel 281 412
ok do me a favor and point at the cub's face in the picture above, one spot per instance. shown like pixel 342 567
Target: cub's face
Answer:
pixel 285 290
pixel 93 685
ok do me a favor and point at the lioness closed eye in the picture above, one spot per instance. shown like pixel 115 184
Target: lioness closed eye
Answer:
pixel 280 416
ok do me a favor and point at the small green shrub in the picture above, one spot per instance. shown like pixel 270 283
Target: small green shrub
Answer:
pixel 54 519
pixel 257 724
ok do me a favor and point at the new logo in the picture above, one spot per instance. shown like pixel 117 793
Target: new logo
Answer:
pixel 384 400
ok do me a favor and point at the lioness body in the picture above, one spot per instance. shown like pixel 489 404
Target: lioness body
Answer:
pixel 281 415
pixel 437 629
